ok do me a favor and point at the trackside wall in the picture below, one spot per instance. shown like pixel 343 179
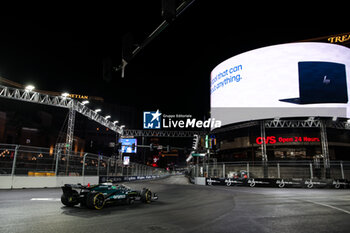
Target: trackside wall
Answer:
pixel 8 182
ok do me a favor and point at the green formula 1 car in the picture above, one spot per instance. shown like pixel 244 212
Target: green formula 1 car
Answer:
pixel 96 196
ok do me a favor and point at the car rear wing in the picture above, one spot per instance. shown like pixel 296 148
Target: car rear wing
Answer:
pixel 76 186
pixel 67 188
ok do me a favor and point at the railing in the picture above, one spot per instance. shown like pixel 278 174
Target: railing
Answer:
pixel 37 161
pixel 273 169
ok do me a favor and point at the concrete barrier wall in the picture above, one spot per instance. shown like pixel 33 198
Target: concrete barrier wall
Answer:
pixel 33 182
pixel 5 182
pixel 200 180
pixel 8 182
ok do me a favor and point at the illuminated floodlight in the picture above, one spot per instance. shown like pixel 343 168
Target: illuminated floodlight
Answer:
pixel 115 122
pixel 85 102
pixel 97 110
pixel 107 117
pixel 65 95
pixel 29 88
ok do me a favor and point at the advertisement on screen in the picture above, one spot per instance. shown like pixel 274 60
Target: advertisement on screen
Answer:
pixel 129 145
pixel 287 80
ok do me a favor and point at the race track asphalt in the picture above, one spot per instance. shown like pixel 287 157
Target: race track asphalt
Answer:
pixel 183 207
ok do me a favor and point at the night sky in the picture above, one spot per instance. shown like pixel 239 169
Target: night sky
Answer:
pixel 62 47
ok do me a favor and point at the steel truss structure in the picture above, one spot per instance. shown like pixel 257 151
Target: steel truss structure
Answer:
pixel 324 145
pixel 160 133
pixel 59 101
pixel 339 125
pixel 310 123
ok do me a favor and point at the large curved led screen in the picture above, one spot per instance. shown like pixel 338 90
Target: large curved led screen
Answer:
pixel 288 80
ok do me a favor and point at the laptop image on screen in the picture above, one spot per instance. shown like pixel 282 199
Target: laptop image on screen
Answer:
pixel 321 82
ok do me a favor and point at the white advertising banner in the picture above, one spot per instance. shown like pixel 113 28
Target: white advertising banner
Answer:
pixel 288 80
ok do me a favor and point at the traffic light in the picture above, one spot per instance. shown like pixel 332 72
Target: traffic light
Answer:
pixel 213 143
pixel 195 141
pixel 207 141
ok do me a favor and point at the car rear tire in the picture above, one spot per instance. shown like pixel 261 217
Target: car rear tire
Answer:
pixel 146 196
pixel 70 199
pixel 95 201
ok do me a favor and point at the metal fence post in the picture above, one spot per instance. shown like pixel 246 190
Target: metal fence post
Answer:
pixel 108 168
pixel 83 170
pixel 248 172
pixel 116 166
pixel 98 165
pixel 58 157
pixel 342 170
pixel 14 165
pixel 278 171
pixel 67 164
pixel 223 170
pixel 311 172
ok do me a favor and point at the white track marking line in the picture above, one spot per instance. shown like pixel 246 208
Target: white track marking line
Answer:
pixel 45 199
pixel 329 206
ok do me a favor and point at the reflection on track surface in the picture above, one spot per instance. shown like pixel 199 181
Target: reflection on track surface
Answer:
pixel 183 207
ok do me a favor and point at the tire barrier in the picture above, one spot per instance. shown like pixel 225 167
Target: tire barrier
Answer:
pixel 280 183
